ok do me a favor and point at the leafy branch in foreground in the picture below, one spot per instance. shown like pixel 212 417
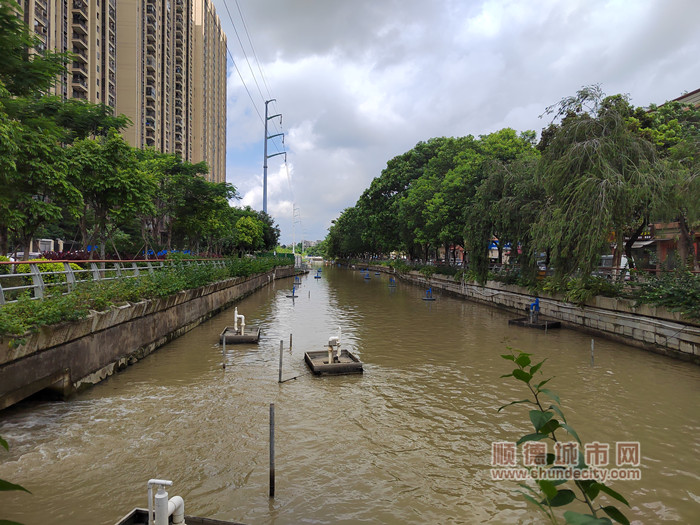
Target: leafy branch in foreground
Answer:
pixel 6 486
pixel 546 419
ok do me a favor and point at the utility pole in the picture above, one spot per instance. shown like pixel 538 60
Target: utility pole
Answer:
pixel 266 156
pixel 295 216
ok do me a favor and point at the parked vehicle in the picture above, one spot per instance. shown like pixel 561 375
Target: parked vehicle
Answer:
pixel 606 269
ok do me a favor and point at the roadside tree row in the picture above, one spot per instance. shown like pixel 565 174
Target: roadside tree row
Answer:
pixel 66 172
pixel 600 173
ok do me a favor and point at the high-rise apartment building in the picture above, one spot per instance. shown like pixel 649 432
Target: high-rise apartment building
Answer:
pixel 162 63
pixel 86 28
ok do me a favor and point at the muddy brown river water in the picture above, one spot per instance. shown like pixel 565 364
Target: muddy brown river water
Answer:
pixel 409 441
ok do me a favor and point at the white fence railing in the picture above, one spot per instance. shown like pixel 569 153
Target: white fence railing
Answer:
pixel 19 278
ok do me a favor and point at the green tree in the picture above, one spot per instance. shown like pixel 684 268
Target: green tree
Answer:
pixel 598 176
pixel 37 189
pixel 674 128
pixel 106 172
pixel 249 233
pixel 505 167
pixel 24 73
pixel 271 231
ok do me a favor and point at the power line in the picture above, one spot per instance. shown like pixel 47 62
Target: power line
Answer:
pixel 244 53
pixel 255 55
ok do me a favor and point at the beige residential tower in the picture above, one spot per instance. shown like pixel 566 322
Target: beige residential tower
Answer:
pixel 162 63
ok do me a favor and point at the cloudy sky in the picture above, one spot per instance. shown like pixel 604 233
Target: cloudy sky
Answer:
pixel 361 81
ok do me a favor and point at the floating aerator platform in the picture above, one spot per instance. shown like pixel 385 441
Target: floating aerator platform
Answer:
pixel 333 361
pixel 533 318
pixel 237 335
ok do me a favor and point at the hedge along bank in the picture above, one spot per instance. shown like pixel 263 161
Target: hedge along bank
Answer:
pixel 652 328
pixel 71 356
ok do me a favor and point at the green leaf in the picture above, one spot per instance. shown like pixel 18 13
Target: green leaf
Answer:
pixel 522 375
pixel 515 403
pixel 548 488
pixel 8 522
pixel 523 360
pixel 610 492
pixel 590 488
pixel 535 368
pixel 4 444
pixel 574 518
pixel 532 437
pixel 539 418
pixel 615 514
pixel 6 485
pixel 509 357
pixel 558 411
pixel 526 496
pixel 563 497
pixel 542 383
pixel 550 394
pixel 507 375
pixel 550 427
pixel 571 431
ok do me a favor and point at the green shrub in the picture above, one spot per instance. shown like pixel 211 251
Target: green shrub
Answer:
pixel 679 291
pixel 45 266
pixel 28 315
pixel 5 268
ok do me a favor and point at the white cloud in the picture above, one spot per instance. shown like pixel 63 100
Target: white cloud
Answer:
pixel 360 82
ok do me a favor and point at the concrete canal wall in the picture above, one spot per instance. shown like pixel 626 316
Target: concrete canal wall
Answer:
pixel 72 356
pixel 649 327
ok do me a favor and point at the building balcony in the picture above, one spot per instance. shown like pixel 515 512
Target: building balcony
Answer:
pixel 80 53
pixel 150 93
pixel 79 94
pixel 150 124
pixel 79 83
pixel 79 25
pixel 79 66
pixel 79 40
pixel 151 63
pixel 41 15
pixel 80 6
pixel 40 30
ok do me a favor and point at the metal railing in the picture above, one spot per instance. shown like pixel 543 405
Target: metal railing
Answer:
pixel 33 277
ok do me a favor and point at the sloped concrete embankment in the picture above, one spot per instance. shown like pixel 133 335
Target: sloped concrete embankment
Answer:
pixel 72 356
pixel 652 328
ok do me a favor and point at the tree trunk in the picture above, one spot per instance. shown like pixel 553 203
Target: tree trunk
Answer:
pixel 4 241
pixel 633 238
pixel 686 250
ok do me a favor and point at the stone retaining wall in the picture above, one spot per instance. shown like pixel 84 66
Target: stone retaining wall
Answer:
pixel 71 356
pixel 649 327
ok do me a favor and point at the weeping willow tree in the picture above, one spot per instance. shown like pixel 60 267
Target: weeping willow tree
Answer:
pixel 599 177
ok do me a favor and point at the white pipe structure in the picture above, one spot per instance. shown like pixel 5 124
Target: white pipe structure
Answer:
pixel 236 317
pixel 164 507
pixel 334 341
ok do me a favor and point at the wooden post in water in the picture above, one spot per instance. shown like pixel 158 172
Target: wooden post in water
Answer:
pixel 272 450
pixel 281 349
pixel 290 342
pixel 592 349
pixel 223 353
